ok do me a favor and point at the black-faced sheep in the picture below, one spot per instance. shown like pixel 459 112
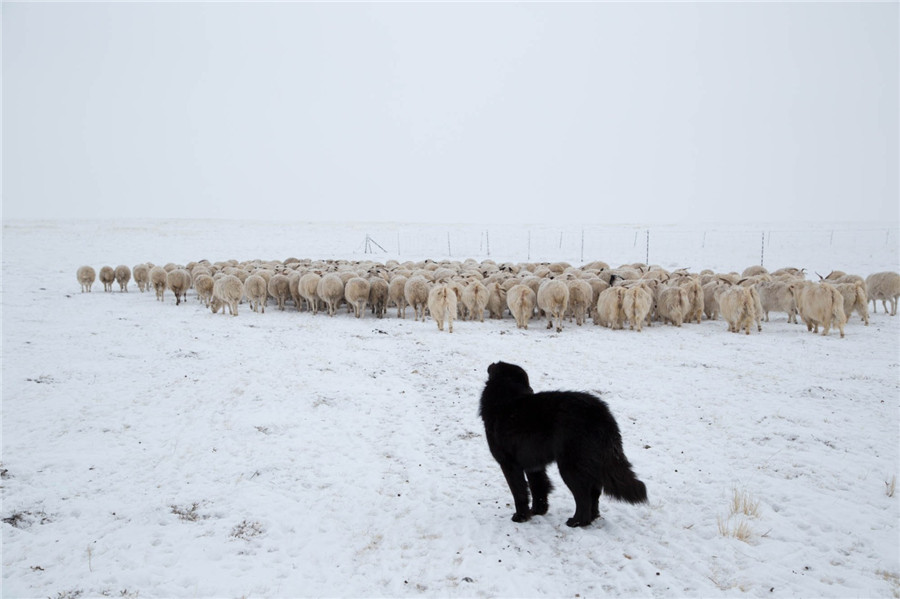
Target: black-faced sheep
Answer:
pixel 107 277
pixel 86 276
pixel 123 276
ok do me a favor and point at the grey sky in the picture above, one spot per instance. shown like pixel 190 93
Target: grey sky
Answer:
pixel 452 112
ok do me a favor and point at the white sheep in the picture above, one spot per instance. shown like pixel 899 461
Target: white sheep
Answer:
pixel 86 276
pixel 203 284
pixel 141 273
pixel 581 299
pixel 356 294
pixel 884 286
pixel 442 306
pixel 819 303
pixel 553 299
pixel 279 287
pixel 611 308
pixel 520 300
pixel 331 291
pixel 396 293
pixel 737 307
pixel 107 277
pixel 637 303
pixel 854 295
pixel 776 296
pixel 307 287
pixel 123 276
pixel 227 291
pixel 257 293
pixel 378 295
pixel 673 305
pixel 178 281
pixel 496 299
pixel 158 276
pixel 475 299
pixel 415 291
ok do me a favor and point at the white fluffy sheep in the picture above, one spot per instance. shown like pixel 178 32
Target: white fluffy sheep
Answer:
pixel 736 306
pixel 331 291
pixel 611 308
pixel 442 306
pixel 257 293
pixel 520 300
pixel 415 291
pixel 475 299
pixel 775 296
pixel 820 303
pixel 854 295
pixel 203 284
pixel 673 305
pixel 123 276
pixel 227 291
pixel 279 287
pixel 141 273
pixel 178 281
pixel 553 299
pixel 396 294
pixel 637 304
pixel 356 294
pixel 107 277
pixel 884 286
pixel 378 295
pixel 307 287
pixel 158 276
pixel 581 299
pixel 86 276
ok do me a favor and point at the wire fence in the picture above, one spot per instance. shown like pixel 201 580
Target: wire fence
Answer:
pixel 670 247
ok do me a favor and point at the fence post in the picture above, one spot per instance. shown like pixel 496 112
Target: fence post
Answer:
pixel 582 246
pixel 449 253
pixel 762 251
pixel 487 237
pixel 647 259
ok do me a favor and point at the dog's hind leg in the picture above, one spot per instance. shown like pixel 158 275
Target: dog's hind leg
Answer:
pixel 515 478
pixel 540 488
pixel 582 491
pixel 595 502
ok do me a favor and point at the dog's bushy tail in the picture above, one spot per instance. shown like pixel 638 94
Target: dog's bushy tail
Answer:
pixel 620 482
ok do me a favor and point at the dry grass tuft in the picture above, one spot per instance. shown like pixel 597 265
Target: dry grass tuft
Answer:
pixel 742 507
pixel 891 486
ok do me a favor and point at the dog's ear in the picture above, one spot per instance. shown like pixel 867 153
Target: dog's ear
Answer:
pixel 491 368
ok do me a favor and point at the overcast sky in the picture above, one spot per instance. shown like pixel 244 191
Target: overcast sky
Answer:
pixel 452 112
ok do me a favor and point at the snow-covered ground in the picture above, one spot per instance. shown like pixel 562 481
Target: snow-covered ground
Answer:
pixel 160 451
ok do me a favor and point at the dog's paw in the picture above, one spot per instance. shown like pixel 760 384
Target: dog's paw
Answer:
pixel 540 508
pixel 517 517
pixel 574 523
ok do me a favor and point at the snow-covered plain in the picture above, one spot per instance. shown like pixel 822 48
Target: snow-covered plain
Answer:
pixel 160 451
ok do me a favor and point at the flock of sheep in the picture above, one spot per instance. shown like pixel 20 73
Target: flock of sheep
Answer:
pixel 637 294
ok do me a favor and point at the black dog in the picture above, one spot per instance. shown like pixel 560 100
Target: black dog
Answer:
pixel 527 430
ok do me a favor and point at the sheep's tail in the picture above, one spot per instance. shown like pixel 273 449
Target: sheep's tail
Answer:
pixel 620 482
